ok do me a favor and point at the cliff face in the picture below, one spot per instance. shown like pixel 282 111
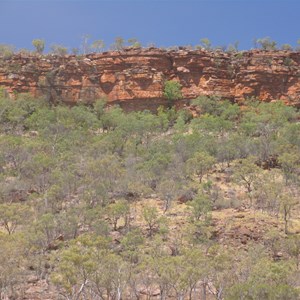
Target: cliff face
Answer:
pixel 135 77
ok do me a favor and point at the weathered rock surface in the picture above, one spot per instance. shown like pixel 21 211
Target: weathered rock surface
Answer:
pixel 134 77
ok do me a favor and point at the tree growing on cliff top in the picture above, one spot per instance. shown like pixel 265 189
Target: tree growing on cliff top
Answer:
pixel 118 44
pixel 133 42
pixel 205 43
pixel 266 43
pixel 59 50
pixel 98 45
pixel 39 45
pixel 287 47
pixel 84 44
pixel 6 50
pixel 298 45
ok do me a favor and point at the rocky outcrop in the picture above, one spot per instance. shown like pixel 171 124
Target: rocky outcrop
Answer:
pixel 135 77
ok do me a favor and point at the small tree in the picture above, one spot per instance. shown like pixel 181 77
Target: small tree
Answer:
pixel 289 162
pixel 233 47
pixel 201 207
pixel 133 42
pixel 287 47
pixel 287 203
pixel 245 173
pixel 98 45
pixel 292 245
pixel 39 45
pixel 13 215
pixel 200 164
pixel 205 43
pixel 85 46
pixel 6 50
pixel 131 243
pixel 266 43
pixel 169 189
pixel 99 107
pixel 119 43
pixel 77 265
pixel 118 210
pixel 75 51
pixel 59 50
pixel 150 215
pixel 298 45
pixel 172 91
pixel 12 265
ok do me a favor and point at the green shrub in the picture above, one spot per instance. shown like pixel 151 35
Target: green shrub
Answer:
pixel 172 90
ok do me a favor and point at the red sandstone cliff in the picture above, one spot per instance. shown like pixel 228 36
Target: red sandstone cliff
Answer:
pixel 135 77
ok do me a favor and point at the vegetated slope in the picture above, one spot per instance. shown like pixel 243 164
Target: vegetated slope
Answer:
pixel 99 204
pixel 135 77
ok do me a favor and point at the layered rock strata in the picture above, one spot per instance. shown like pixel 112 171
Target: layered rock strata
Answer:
pixel 135 77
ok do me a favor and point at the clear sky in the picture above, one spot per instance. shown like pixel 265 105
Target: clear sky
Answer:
pixel 162 22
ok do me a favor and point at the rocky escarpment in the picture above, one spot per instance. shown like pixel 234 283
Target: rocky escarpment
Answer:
pixel 135 77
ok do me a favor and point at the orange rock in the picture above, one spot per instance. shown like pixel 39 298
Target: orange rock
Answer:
pixel 108 77
pixel 135 77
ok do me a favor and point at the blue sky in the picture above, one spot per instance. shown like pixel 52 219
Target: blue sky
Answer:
pixel 162 22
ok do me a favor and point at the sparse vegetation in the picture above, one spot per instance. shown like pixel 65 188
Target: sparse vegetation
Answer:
pixel 118 44
pixel 98 45
pixel 103 204
pixel 205 43
pixel 121 44
pixel 39 45
pixel 6 51
pixel 287 47
pixel 266 43
pixel 59 50
pixel 133 42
